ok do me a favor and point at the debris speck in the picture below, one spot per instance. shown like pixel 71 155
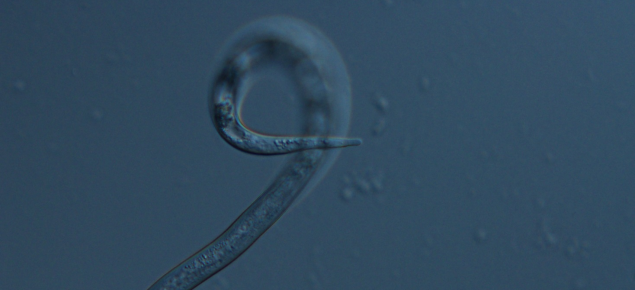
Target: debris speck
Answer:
pixel 367 183
pixel 379 127
pixel 381 103
pixel 347 194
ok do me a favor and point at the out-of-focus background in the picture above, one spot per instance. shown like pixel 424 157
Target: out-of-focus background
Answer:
pixel 498 147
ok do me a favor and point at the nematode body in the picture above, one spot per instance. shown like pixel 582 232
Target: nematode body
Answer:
pixel 319 75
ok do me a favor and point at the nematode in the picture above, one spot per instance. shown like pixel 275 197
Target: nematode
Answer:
pixel 315 67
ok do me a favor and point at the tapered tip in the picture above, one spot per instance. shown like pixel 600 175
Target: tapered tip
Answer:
pixel 353 142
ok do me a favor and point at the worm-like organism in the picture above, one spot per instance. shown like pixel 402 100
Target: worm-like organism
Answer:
pixel 313 64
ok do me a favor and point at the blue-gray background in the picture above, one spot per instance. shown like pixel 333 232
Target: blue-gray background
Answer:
pixel 498 147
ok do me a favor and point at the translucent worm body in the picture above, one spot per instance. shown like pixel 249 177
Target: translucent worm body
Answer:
pixel 316 68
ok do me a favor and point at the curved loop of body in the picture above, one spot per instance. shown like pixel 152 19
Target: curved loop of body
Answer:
pixel 319 75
